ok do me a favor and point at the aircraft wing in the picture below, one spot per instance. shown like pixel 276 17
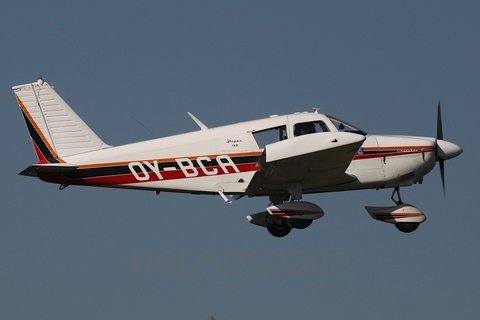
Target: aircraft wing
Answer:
pixel 308 162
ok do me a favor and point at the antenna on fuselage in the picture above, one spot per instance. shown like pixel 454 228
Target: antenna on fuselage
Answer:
pixel 143 126
pixel 316 109
pixel 198 122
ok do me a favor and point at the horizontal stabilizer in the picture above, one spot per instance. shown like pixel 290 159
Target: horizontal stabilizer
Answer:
pixel 33 170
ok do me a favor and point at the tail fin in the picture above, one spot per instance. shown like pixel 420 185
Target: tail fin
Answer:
pixel 55 129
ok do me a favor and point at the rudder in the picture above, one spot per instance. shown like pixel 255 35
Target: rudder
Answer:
pixel 55 129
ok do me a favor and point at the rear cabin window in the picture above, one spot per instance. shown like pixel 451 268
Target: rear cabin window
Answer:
pixel 310 127
pixel 269 136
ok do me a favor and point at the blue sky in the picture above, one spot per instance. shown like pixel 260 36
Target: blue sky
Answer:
pixel 100 253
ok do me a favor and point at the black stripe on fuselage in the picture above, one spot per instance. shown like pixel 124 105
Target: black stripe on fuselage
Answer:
pixel 124 169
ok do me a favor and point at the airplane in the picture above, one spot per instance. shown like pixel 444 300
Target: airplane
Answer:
pixel 281 157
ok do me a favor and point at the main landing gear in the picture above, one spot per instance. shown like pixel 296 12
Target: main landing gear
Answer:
pixel 279 229
pixel 282 226
pixel 406 217
pixel 281 218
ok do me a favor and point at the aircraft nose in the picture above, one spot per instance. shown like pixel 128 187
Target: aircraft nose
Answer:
pixel 447 150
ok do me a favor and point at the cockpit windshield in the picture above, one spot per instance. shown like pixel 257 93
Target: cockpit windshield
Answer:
pixel 345 127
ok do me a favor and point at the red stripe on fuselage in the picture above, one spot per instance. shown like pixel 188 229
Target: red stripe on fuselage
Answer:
pixel 393 152
pixel 130 178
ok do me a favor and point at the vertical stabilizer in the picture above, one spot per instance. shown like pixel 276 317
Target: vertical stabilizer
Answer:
pixel 56 130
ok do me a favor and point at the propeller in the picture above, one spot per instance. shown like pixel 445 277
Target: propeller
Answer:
pixel 440 160
pixel 444 150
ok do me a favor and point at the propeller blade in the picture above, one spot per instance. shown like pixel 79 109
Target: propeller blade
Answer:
pixel 439 123
pixel 442 174
pixel 440 160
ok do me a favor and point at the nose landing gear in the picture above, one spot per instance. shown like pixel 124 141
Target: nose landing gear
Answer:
pixel 406 217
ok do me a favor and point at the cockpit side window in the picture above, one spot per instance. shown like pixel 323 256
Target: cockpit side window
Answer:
pixel 310 127
pixel 270 135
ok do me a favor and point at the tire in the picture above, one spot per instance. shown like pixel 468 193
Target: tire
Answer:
pixel 407 227
pixel 300 223
pixel 279 230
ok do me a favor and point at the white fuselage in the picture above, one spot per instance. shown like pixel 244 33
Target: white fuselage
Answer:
pixel 282 157
pixel 216 159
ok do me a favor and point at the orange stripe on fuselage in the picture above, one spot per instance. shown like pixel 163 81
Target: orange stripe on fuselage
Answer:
pixel 404 148
pixel 124 163
pixel 391 151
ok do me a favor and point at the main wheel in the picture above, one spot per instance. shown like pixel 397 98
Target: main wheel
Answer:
pixel 407 226
pixel 279 230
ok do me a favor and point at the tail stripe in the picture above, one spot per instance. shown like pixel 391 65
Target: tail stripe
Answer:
pixel 41 143
pixel 37 136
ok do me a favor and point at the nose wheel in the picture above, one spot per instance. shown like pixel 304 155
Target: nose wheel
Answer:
pixel 407 227
pixel 405 217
